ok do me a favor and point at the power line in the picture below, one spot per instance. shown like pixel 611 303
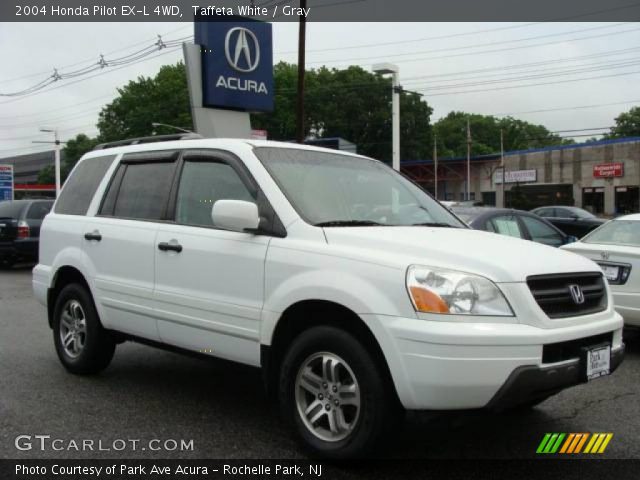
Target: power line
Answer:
pixel 578 107
pixel 394 57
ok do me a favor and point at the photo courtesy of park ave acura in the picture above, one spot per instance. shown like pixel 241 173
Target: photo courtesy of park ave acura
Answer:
pixel 356 293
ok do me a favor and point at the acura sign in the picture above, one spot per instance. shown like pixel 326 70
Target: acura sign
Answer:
pixel 237 64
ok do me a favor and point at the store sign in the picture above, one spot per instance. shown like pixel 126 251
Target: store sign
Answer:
pixel 6 182
pixel 608 170
pixel 516 176
pixel 237 64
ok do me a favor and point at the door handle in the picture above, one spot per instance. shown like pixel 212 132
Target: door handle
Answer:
pixel 95 235
pixel 167 246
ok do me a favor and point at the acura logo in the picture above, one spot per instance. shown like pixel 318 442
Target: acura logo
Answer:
pixel 576 294
pixel 242 49
pixel 604 255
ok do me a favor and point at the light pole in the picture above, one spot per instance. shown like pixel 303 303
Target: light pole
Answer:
pixel 56 142
pixel 389 68
pixel 158 124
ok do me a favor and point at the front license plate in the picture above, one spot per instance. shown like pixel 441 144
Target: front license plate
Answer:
pixel 598 362
pixel 610 272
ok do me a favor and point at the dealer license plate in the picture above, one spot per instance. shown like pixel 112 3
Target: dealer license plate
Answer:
pixel 610 271
pixel 598 362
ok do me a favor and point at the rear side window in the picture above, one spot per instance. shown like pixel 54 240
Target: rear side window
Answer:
pixel 38 210
pixel 140 189
pixel 507 225
pixel 81 186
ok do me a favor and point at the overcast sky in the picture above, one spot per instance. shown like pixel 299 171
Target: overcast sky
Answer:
pixel 580 64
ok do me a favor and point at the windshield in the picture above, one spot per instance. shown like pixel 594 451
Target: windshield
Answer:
pixel 616 232
pixel 329 189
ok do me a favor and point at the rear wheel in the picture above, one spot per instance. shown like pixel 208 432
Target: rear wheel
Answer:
pixel 82 344
pixel 333 395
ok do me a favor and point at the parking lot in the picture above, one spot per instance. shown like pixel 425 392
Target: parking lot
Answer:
pixel 151 394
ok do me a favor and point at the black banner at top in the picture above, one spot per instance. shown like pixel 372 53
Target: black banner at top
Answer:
pixel 320 10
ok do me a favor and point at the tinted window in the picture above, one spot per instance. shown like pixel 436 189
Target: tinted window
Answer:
pixel 38 210
pixel 541 232
pixel 144 190
pixel 10 209
pixel 80 187
pixel 564 213
pixel 507 225
pixel 201 185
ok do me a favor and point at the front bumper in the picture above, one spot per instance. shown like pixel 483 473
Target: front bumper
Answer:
pixel 530 383
pixel 438 365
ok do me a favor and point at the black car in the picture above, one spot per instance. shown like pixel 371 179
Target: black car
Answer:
pixel 20 222
pixel 514 223
pixel 571 220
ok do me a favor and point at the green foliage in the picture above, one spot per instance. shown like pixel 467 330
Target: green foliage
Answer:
pixel 163 99
pixel 351 103
pixel 73 150
pixel 627 124
pixel 485 134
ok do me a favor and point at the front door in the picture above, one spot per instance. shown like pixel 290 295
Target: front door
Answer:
pixel 209 287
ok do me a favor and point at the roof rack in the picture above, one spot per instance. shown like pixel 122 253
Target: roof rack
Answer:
pixel 152 139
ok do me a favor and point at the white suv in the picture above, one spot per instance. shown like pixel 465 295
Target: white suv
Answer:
pixel 356 292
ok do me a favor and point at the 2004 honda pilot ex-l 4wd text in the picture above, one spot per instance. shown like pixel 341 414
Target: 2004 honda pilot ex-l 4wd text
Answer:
pixel 355 291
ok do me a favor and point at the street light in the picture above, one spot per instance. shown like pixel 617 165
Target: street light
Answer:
pixel 157 124
pixel 384 69
pixel 56 142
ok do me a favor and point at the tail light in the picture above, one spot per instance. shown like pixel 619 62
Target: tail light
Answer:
pixel 23 229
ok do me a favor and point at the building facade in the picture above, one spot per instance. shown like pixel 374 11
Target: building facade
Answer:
pixel 602 177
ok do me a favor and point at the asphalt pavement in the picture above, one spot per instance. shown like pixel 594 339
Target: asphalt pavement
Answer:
pixel 221 410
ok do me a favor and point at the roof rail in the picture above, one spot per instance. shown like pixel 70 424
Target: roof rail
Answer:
pixel 152 139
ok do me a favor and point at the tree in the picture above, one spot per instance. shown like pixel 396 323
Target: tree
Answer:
pixel 485 134
pixel 73 150
pixel 627 124
pixel 163 98
pixel 350 103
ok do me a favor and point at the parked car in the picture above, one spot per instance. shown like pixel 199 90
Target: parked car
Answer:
pixel 571 220
pixel 615 246
pixel 20 222
pixel 514 223
pixel 354 290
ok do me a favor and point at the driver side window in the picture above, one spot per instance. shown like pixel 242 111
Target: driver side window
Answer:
pixel 203 183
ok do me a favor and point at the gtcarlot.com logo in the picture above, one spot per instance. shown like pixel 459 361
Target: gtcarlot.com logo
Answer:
pixel 574 443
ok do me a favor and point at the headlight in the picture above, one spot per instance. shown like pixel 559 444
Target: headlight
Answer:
pixel 438 290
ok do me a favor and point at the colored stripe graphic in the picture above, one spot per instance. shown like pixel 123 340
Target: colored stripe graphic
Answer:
pixel 573 443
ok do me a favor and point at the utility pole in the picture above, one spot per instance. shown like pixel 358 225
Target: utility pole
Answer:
pixel 504 200
pixel 468 189
pixel 301 67
pixel 435 161
pixel 56 143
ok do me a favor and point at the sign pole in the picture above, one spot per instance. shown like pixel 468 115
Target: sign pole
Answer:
pixel 57 161
pixel 435 161
pixel 301 71
pixel 504 200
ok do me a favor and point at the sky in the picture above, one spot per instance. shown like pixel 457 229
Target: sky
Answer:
pixel 539 72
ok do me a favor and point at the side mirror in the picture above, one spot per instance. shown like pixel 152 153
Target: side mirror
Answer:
pixel 236 215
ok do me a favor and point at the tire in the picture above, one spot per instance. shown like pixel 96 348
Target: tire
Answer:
pixel 368 409
pixel 92 347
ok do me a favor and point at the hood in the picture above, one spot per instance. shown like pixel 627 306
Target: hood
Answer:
pixel 497 257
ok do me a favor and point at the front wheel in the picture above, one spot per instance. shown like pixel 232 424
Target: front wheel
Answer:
pixel 82 344
pixel 334 394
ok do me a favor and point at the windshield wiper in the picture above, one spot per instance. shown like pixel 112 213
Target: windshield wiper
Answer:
pixel 347 223
pixel 434 224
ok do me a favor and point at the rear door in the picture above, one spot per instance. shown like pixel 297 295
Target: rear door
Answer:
pixel 120 241
pixel 209 287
